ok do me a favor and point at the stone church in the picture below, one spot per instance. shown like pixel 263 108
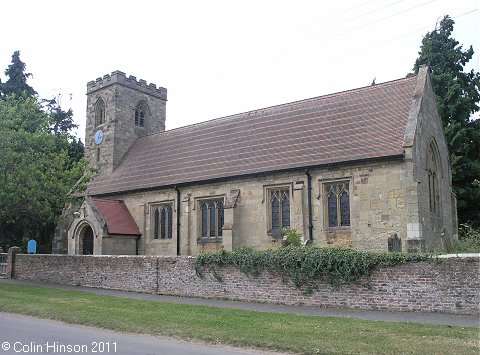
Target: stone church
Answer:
pixel 366 168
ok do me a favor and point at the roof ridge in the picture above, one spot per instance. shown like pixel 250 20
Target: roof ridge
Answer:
pixel 362 88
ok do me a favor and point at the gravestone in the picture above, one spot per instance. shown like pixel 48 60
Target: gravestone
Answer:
pixel 394 244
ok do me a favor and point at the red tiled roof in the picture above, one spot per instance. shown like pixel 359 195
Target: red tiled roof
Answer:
pixel 118 218
pixel 353 125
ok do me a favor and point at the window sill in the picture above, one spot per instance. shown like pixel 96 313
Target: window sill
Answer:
pixel 342 228
pixel 275 235
pixel 162 241
pixel 209 240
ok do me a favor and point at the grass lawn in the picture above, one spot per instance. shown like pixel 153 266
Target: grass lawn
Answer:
pixel 272 331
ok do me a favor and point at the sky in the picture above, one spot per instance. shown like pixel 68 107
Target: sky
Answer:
pixel 219 57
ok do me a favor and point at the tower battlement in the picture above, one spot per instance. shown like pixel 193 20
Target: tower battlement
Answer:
pixel 118 77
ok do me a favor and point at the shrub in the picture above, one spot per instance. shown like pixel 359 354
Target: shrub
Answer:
pixel 468 240
pixel 292 237
pixel 304 266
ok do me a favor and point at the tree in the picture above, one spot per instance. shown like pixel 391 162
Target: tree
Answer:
pixel 36 176
pixel 17 79
pixel 22 114
pixel 41 163
pixel 60 121
pixel 75 150
pixel 458 96
pixel 61 124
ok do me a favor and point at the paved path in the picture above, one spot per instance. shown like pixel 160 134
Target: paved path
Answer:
pixel 415 317
pixel 23 334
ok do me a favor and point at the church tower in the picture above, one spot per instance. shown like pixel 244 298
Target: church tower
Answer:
pixel 119 110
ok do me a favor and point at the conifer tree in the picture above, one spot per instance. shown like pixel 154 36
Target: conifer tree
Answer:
pixel 17 79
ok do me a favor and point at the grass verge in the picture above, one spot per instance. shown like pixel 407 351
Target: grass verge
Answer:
pixel 280 332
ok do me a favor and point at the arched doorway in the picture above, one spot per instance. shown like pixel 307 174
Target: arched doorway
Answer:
pixel 87 241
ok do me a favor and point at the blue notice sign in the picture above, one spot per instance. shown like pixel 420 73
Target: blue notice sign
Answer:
pixel 32 247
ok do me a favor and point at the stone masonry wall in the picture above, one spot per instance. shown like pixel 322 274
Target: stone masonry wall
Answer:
pixel 380 197
pixel 434 224
pixel 450 286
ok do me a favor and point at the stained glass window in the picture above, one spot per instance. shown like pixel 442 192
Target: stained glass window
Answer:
pixel 213 217
pixel 337 199
pixel 204 220
pixel 169 221
pixel 211 220
pixel 344 208
pixel 285 210
pixel 279 210
pixel 162 221
pixel 332 210
pixel 275 214
pixel 156 218
pixel 220 218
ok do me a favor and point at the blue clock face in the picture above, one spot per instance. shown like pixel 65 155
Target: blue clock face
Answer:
pixel 98 136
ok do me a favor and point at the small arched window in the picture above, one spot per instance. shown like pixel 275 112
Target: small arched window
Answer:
pixel 140 114
pixel 99 112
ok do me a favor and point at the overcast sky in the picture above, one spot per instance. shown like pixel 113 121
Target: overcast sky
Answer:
pixel 218 58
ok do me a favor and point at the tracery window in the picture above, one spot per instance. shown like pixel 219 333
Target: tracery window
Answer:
pixel 433 178
pixel 162 221
pixel 211 219
pixel 279 206
pixel 140 114
pixel 337 204
pixel 99 112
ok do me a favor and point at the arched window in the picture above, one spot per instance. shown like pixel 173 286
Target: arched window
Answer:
pixel 337 204
pixel 279 210
pixel 162 221
pixel 433 173
pixel 140 114
pixel 99 112
pixel 211 219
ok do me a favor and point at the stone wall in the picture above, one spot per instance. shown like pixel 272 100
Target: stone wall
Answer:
pixel 381 194
pixel 437 227
pixel 450 286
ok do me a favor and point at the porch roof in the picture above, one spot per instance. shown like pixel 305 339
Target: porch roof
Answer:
pixel 116 215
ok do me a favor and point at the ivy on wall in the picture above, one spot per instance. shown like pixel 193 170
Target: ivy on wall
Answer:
pixel 304 265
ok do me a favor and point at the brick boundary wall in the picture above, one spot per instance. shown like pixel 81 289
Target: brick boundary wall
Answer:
pixel 450 286
pixel 112 272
